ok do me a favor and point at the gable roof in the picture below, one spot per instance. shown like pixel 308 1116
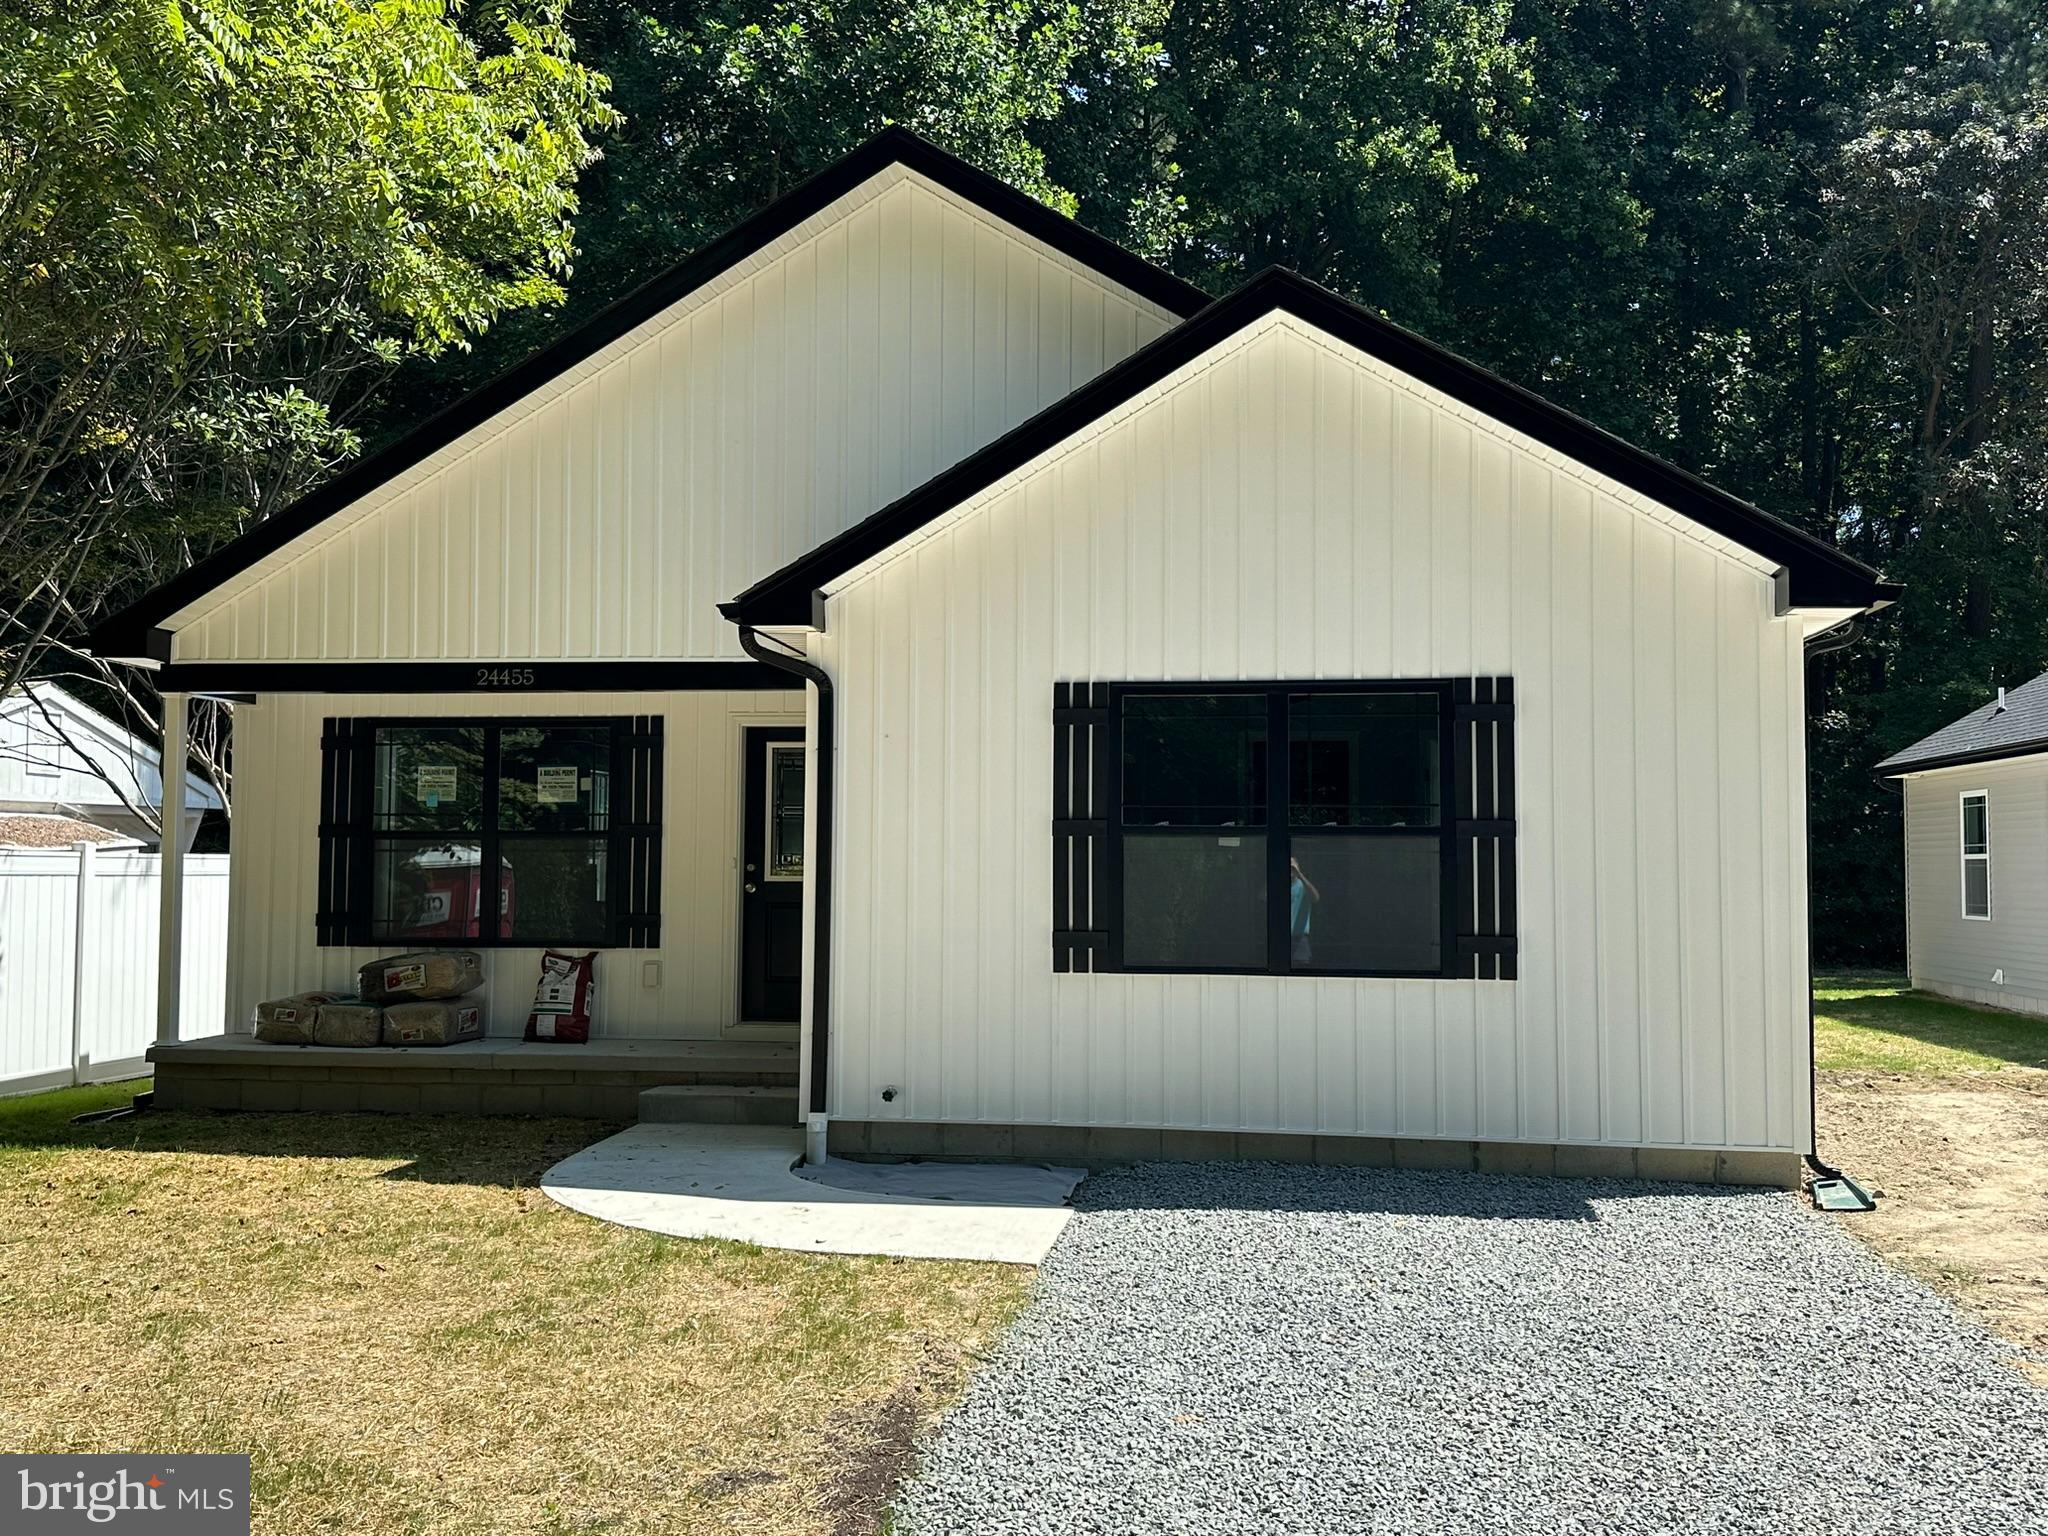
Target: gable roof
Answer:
pixel 2017 726
pixel 132 631
pixel 1821 576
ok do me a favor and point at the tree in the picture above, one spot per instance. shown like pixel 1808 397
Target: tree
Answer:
pixel 726 105
pixel 221 223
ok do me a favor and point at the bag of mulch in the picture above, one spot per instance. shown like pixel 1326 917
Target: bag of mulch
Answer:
pixel 289 1020
pixel 428 976
pixel 350 1021
pixel 432 1023
pixel 565 998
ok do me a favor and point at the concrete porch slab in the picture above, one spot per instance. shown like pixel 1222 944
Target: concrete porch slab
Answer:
pixel 735 1182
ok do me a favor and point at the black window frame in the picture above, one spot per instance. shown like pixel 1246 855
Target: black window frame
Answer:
pixel 618 831
pixel 1278 830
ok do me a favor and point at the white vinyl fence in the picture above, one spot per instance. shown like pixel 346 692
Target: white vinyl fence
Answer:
pixel 78 933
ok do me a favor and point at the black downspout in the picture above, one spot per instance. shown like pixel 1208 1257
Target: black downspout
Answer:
pixel 796 665
pixel 1828 641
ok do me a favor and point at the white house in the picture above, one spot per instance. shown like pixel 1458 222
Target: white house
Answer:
pixel 59 757
pixel 1975 796
pixel 879 636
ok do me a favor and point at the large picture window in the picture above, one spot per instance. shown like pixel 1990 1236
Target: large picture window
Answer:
pixel 490 832
pixel 1290 829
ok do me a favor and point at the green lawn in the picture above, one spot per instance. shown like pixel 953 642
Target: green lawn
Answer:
pixel 1870 1022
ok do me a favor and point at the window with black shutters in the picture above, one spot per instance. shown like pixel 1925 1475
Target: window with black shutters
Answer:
pixel 1311 829
pixel 491 832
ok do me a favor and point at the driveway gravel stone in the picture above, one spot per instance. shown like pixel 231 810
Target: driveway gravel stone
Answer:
pixel 1252 1349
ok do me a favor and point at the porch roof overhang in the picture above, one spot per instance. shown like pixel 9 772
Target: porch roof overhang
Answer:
pixel 251 679
pixel 1814 574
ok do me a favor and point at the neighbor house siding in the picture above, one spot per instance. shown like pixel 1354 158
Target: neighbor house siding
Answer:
pixel 1958 956
pixel 271 905
pixel 1292 510
pixel 895 333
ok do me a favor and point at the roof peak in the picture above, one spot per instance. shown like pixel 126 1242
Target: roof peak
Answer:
pixel 1822 576
pixel 132 633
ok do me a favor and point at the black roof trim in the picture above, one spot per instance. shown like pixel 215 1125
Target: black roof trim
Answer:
pixel 125 634
pixel 1821 576
pixel 1898 767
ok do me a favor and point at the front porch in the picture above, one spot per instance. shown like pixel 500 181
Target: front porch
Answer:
pixel 746 1080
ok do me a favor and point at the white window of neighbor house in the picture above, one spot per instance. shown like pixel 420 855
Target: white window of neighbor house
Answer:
pixel 1976 852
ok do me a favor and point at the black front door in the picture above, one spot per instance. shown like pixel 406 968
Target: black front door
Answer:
pixel 772 877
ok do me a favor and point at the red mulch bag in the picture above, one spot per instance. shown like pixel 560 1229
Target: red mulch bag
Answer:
pixel 565 998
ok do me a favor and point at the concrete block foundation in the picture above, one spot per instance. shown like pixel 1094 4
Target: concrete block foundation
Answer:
pixel 1108 1146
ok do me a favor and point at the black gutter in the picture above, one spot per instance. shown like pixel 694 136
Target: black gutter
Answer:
pixel 821 872
pixel 1826 643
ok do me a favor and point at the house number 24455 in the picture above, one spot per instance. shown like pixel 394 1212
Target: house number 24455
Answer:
pixel 504 677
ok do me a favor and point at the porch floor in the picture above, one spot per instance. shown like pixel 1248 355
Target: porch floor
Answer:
pixel 599 1080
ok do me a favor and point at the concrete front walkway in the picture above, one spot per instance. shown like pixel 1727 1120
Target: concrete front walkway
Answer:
pixel 735 1182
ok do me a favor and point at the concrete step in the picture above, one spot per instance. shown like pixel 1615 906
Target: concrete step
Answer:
pixel 714 1104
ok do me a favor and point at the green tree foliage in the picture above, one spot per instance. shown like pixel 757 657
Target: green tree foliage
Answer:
pixel 221 221
pixel 1795 245
pixel 727 105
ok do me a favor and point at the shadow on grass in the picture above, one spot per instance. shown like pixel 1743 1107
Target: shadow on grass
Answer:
pixel 1884 1008
pixel 503 1153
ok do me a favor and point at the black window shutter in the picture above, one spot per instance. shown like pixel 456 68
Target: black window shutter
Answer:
pixel 638 841
pixel 1081 789
pixel 341 910
pixel 1483 827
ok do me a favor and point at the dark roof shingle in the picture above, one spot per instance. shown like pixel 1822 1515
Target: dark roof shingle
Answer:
pixel 2014 728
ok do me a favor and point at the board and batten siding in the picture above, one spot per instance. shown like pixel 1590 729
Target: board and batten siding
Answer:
pixel 273 882
pixel 1958 956
pixel 1289 508
pixel 886 339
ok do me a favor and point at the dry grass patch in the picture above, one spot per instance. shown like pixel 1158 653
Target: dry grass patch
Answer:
pixel 409 1337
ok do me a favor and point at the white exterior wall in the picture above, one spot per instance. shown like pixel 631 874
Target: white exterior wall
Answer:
pixel 1292 509
pixel 607 516
pixel 272 901
pixel 1958 956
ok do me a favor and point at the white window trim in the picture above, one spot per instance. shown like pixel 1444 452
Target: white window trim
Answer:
pixel 1965 858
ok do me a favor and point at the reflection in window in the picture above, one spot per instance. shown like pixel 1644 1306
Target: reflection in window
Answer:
pixel 427 891
pixel 1363 760
pixel 1365 904
pixel 1194 760
pixel 492 831
pixel 1353 881
pixel 1195 900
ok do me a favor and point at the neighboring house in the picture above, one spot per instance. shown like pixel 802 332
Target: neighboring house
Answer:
pixel 1975 801
pixel 1086 718
pixel 62 758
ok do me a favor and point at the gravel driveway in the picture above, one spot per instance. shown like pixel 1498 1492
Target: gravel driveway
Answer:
pixel 1255 1349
